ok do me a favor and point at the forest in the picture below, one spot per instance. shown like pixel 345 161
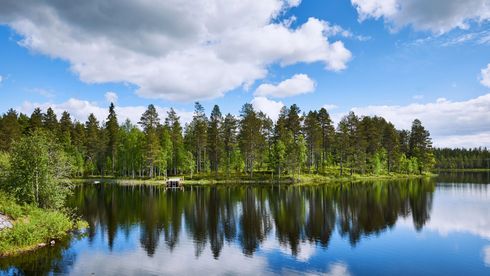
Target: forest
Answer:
pixel 462 159
pixel 220 145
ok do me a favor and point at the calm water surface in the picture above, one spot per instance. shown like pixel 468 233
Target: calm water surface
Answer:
pixel 418 227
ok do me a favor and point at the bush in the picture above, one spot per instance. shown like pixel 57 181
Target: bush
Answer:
pixel 32 226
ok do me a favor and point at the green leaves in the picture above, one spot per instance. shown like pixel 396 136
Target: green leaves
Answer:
pixel 38 169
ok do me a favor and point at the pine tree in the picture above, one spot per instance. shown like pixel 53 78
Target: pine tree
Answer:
pixel 215 138
pixel 92 143
pixel 197 136
pixel 50 122
pixel 36 120
pixel 150 122
pixel 10 130
pixel 177 155
pixel 313 133
pixel 420 146
pixel 328 134
pixel 112 130
pixel 66 128
pixel 229 131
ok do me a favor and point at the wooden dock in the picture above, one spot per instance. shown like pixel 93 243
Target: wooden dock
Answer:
pixel 175 182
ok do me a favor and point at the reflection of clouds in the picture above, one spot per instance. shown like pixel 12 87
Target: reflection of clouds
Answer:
pixel 231 261
pixel 486 255
pixel 306 250
pixel 338 269
pixel 460 209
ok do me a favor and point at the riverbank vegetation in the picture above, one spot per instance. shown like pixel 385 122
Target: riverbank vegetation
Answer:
pixel 33 189
pixel 226 146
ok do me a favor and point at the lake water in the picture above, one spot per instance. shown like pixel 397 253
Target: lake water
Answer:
pixel 417 227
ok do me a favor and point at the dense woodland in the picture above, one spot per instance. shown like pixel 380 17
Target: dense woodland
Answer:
pixel 462 159
pixel 225 145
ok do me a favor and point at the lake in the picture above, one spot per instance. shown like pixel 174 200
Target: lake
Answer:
pixel 439 226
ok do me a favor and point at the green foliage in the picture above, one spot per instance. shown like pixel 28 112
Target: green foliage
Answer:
pixel 4 165
pixel 38 171
pixel 32 226
pixel 252 143
pixel 462 159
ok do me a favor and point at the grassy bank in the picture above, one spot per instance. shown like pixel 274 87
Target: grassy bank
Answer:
pixel 258 178
pixel 32 227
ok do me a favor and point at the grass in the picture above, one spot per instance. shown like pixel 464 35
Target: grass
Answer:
pixel 32 227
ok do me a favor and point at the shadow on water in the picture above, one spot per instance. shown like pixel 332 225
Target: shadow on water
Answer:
pixel 242 215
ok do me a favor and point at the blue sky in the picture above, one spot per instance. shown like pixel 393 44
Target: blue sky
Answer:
pixel 399 59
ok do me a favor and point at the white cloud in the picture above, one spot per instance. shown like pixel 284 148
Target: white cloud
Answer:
pixel 173 49
pixel 296 85
pixel 330 106
pixel 418 97
pixel 269 107
pixel 485 76
pixel 111 97
pixel 80 109
pixel 451 123
pixel 374 8
pixel 437 16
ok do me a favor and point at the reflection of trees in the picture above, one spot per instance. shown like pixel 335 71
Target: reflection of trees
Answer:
pixel 213 215
pixel 255 221
pixel 288 209
pixel 321 216
pixel 370 208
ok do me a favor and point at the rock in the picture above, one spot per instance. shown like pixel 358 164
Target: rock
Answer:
pixel 5 222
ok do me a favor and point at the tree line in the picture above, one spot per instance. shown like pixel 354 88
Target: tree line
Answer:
pixel 462 159
pixel 226 145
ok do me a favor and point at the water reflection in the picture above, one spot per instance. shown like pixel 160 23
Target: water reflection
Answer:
pixel 213 215
pixel 274 229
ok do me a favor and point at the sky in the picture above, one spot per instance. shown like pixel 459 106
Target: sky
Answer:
pixel 400 59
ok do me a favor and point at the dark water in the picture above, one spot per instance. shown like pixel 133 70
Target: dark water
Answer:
pixel 418 227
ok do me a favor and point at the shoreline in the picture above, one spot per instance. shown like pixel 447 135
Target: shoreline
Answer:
pixel 33 228
pixel 302 180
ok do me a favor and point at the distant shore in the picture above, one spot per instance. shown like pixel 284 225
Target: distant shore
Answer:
pixel 462 170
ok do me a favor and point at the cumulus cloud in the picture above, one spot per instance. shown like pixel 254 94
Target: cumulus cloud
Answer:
pixel 269 107
pixel 451 123
pixel 173 49
pixel 296 85
pixel 111 97
pixel 437 16
pixel 485 76
pixel 80 109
